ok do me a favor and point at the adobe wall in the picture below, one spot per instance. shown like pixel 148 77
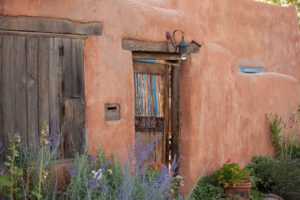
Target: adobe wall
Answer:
pixel 222 109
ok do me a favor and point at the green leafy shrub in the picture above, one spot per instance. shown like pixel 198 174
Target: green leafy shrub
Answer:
pixel 260 167
pixel 278 176
pixel 231 174
pixel 284 137
pixel 208 188
pixel 26 169
pixel 256 194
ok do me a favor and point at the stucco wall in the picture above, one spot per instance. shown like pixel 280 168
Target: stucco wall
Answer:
pixel 222 109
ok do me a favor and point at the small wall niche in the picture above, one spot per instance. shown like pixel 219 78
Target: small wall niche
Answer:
pixel 112 112
pixel 250 70
pixel 250 66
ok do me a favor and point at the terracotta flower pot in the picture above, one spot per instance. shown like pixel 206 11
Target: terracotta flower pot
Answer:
pixel 242 191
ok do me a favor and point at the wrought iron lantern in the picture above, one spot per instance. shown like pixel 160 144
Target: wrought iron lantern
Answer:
pixel 182 46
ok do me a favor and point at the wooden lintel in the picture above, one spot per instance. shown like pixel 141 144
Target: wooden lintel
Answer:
pixel 146 46
pixel 49 25
pixel 148 68
pixel 155 56
pixel 35 34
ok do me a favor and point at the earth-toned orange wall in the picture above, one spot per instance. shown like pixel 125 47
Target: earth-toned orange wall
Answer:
pixel 222 109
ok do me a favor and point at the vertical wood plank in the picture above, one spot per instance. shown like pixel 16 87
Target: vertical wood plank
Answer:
pixel 74 124
pixel 54 116
pixel 68 128
pixel 43 80
pixel 151 138
pixel 166 110
pixel 8 62
pixel 20 88
pixel 55 91
pixel 78 136
pixel 77 68
pixel 1 131
pixel 143 140
pixel 32 91
pixel 159 147
pixel 67 68
pixel 175 113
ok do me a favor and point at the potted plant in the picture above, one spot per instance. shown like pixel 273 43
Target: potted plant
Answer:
pixel 235 181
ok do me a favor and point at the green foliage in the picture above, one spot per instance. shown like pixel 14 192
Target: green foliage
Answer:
pixel 285 147
pixel 208 188
pixel 101 178
pixel 10 180
pixel 26 175
pixel 278 176
pixel 275 127
pixel 231 174
pixel 24 171
pixel 256 195
pixel 260 167
pixel 296 3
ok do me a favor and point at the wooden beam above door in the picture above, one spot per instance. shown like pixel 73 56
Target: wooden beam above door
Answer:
pixel 146 46
pixel 155 56
pixel 49 25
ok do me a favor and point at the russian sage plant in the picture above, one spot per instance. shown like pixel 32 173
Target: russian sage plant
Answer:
pixel 124 179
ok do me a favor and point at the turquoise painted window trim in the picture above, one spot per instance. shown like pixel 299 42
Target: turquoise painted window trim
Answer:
pixel 145 60
pixel 250 70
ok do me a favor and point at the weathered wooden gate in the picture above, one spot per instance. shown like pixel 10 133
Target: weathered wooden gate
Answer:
pixel 42 80
pixel 152 105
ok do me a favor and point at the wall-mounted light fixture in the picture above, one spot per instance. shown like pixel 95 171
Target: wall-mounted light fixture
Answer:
pixel 182 46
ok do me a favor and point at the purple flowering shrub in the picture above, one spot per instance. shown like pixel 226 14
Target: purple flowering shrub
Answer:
pixel 25 173
pixel 127 179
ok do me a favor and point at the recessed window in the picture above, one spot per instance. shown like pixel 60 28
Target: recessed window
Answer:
pixel 250 70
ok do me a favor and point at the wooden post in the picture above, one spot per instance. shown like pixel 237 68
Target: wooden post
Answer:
pixel 175 114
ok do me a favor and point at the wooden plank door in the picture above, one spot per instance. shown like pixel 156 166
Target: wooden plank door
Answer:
pixel 41 80
pixel 152 105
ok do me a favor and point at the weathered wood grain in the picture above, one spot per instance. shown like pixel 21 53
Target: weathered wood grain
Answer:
pixel 8 63
pixel 67 68
pixel 55 86
pixel 152 155
pixel 73 127
pixel 77 68
pixel 68 128
pixel 36 34
pixel 146 46
pixel 20 80
pixel 155 56
pixel 1 131
pixel 148 68
pixel 31 77
pixel 55 92
pixel 166 100
pixel 43 80
pixel 32 91
pixel 159 147
pixel 49 25
pixel 78 136
pixel 175 113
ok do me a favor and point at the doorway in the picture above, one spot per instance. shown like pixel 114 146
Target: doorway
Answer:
pixel 157 105
pixel 42 81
